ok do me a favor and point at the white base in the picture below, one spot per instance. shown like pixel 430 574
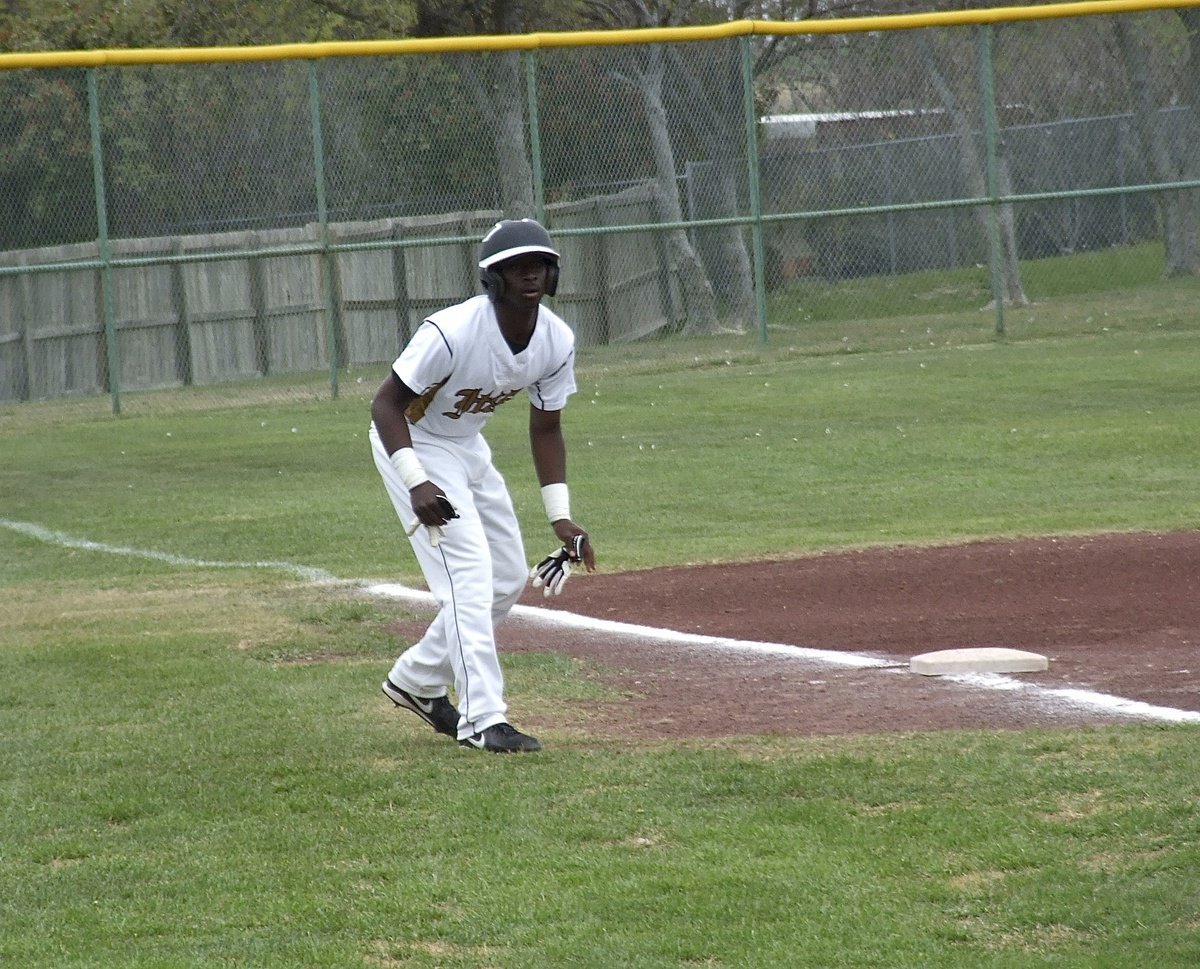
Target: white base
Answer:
pixel 984 659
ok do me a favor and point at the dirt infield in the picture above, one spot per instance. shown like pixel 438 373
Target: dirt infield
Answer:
pixel 1118 616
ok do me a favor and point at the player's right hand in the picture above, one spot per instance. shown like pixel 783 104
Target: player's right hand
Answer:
pixel 430 504
pixel 433 510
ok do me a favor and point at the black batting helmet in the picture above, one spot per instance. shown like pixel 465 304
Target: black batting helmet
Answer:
pixel 508 239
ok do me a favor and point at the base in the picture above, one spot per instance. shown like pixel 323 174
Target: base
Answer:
pixel 984 659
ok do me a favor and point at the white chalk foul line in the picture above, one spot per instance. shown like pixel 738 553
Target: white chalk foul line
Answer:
pixel 554 617
pixel 573 620
pixel 69 541
pixel 1076 697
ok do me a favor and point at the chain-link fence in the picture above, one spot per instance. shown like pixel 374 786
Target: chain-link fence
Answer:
pixel 289 220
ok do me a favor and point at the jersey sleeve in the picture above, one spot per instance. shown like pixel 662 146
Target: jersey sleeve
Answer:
pixel 427 360
pixel 551 391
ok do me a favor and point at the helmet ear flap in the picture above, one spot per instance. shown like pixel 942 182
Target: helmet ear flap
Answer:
pixel 493 283
pixel 551 277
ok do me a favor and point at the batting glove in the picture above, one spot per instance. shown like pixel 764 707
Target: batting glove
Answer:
pixel 435 531
pixel 553 571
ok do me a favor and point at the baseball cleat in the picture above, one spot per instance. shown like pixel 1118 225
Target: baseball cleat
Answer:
pixel 502 738
pixel 439 712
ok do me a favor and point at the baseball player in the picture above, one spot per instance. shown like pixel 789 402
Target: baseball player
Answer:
pixel 426 436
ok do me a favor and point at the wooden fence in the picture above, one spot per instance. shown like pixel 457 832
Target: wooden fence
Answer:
pixel 249 313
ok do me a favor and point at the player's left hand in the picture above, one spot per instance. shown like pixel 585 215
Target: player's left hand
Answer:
pixel 553 571
pixel 577 542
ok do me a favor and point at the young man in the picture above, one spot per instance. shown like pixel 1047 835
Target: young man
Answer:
pixel 426 435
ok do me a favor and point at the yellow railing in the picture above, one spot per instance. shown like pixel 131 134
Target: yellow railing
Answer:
pixel 114 57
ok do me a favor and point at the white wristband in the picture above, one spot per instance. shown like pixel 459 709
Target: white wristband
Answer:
pixel 409 467
pixel 557 501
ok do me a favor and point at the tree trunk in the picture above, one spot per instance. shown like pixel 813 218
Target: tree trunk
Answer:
pixel 1183 251
pixel 516 171
pixel 699 307
pixel 714 122
pixel 974 169
pixel 503 106
pixel 496 86
pixel 1010 267
pixel 736 284
pixel 1179 212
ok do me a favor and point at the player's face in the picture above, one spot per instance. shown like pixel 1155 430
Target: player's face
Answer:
pixel 525 278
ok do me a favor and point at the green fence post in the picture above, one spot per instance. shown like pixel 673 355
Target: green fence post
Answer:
pixel 112 359
pixel 756 224
pixel 326 257
pixel 987 89
pixel 535 136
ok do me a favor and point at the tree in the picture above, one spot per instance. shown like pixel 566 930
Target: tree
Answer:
pixel 944 63
pixel 92 24
pixel 704 97
pixel 176 158
pixel 495 82
pixel 1161 57
pixel 497 93
pixel 967 111
pixel 643 71
pixel 1161 68
pixel 45 161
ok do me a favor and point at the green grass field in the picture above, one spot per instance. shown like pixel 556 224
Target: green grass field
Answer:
pixel 198 769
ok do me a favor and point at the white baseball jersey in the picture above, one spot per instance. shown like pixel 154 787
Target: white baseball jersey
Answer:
pixel 460 364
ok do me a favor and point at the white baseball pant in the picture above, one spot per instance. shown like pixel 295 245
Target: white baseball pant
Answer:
pixel 476 573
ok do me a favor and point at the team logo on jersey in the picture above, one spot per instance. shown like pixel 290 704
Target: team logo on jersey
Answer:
pixel 475 401
pixel 416 410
